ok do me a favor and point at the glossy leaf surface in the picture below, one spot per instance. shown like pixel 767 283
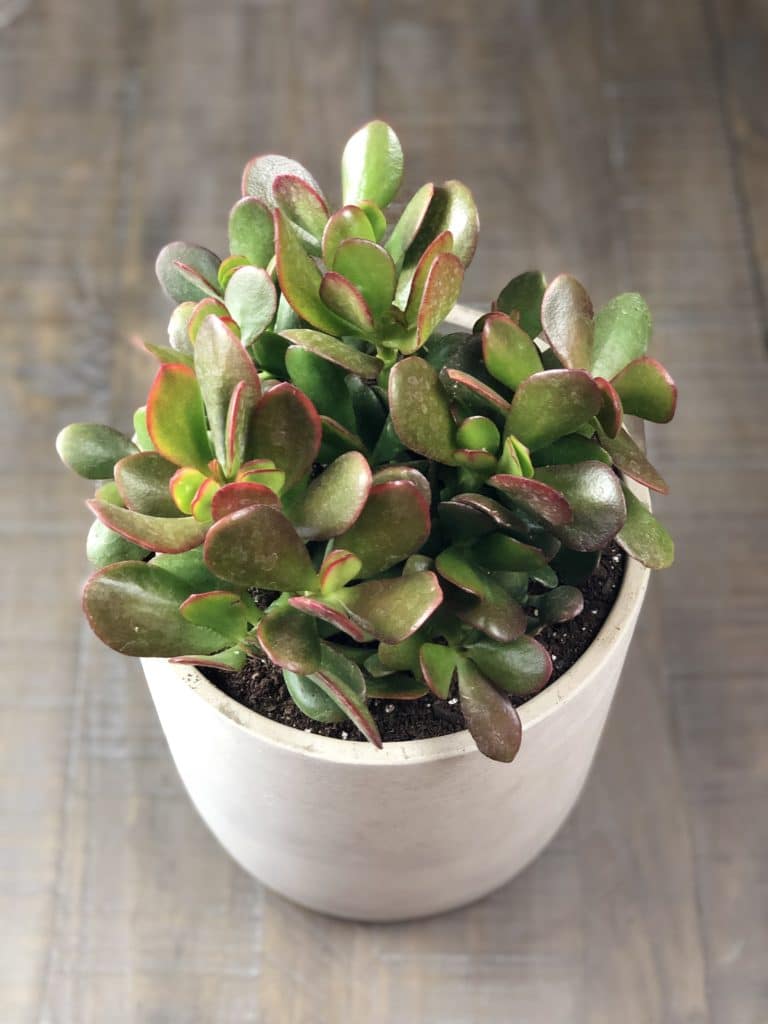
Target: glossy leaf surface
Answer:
pixel 335 499
pixel 522 298
pixel 567 321
pixel 647 390
pixel 285 428
pixel 520 668
pixel 509 353
pixel 335 351
pixel 91 450
pixel 155 533
pixel 372 165
pixel 177 285
pixel 643 537
pixel 392 609
pixel 594 494
pixel 393 524
pixel 252 300
pixel 622 331
pixel 176 417
pixel 252 231
pixel 290 640
pixel 420 410
pixel 144 483
pixel 550 404
pixel 490 716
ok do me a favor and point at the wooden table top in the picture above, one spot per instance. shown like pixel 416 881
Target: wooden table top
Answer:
pixel 624 142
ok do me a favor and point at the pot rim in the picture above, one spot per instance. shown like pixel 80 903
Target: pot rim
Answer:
pixel 353 751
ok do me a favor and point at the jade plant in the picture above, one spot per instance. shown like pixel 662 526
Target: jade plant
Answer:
pixel 325 476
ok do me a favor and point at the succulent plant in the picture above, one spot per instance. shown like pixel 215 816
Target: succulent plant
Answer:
pixel 321 475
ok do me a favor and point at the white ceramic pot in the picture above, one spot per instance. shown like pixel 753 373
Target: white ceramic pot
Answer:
pixel 414 829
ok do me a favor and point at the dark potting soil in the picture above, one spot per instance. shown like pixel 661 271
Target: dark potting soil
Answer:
pixel 260 687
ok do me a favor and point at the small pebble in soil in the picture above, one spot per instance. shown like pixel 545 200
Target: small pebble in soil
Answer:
pixel 260 685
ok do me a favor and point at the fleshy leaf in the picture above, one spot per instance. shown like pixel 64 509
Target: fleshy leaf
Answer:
pixel 188 566
pixel 252 300
pixel 534 497
pixel 221 363
pixel 233 659
pixel 372 165
pixel 259 547
pixel 452 209
pixel 611 413
pixel 438 665
pixel 509 353
pixel 91 450
pixel 370 409
pixel 490 716
pixel 252 231
pixel 175 283
pixel 622 331
pixel 498 551
pixel 269 354
pixel 105 547
pixel 203 499
pixel 558 605
pixel 339 568
pixel 228 268
pixel 393 524
pixel 420 410
pixel 264 472
pixel 520 668
pixel 479 432
pixel 338 352
pixel 409 223
pixel 203 309
pixel 156 533
pixel 311 700
pixel 376 216
pixel 183 486
pixel 300 279
pixel 569 449
pixel 290 640
pixel 370 268
pixel 178 327
pixel 301 202
pixel 321 609
pixel 140 433
pixel 441 293
pixel 337 440
pixel 643 537
pixel 285 428
pixel 550 404
pixel 522 299
pixel 220 610
pixel 323 382
pixel 472 515
pixel 260 173
pixel 398 686
pixel 133 607
pixel 473 395
pixel 243 494
pixel 335 499
pixel 392 609
pixel 567 319
pixel 344 299
pixel 575 567
pixel 387 474
pixel 593 492
pixel 485 604
pixel 144 483
pixel 348 222
pixel 343 682
pixel 176 417
pixel 631 459
pixel 441 244
pixel 646 390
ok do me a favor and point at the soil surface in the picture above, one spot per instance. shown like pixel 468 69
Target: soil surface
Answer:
pixel 260 687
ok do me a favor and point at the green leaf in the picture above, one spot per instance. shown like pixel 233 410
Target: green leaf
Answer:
pixel 509 353
pixel 452 209
pixel 393 524
pixel 550 404
pixel 221 363
pixel 407 227
pixel 410 474
pixel 133 607
pixel 203 309
pixel 301 202
pixel 251 231
pixel 269 354
pixel 611 412
pixel 643 537
pixel 348 222
pixel 155 533
pixel 438 665
pixel 622 331
pixel 233 659
pixel 420 410
pixel 534 498
pixel 337 440
pixel 242 494
pixel 338 569
pixel 490 716
pixel 487 606
pixel 203 500
pixel 521 668
pixel 144 483
pixel 370 268
pixel 370 409
pixel 290 640
pixel 472 515
pixel 567 320
pixel 522 299
pixel 575 567
pixel 443 243
pixel 105 547
pixel 647 390
pixel 372 165
pixel 140 433
pixel 397 686
pixel 631 459
pixel 300 279
pixel 376 216
pixel 570 449
pixel 259 547
pixel 441 294
pixel 228 268
pixel 252 300
pixel 188 566
pixel 260 173
pixel 335 351
pixel 344 299
pixel 220 610
pixel 178 327
pixel 594 494
pixel 561 604
pixel 184 485
pixel 311 700
pixel 334 499
pixel 91 450
pixel 285 428
pixel 323 382
pixel 474 396
pixel 343 682
pixel 328 612
pixel 392 609
pixel 178 286
pixel 498 551
pixel 176 417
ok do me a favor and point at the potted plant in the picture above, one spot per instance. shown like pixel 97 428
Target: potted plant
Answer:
pixel 332 494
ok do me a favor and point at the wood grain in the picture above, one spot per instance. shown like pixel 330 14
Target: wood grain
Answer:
pixel 623 142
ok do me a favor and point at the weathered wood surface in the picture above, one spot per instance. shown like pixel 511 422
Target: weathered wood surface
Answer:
pixel 625 142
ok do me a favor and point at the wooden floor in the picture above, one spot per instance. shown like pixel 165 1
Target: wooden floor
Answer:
pixel 624 142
